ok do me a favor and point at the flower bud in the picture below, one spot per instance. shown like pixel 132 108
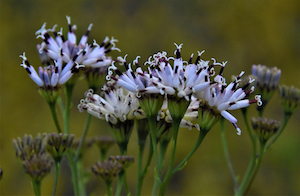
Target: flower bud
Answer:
pixel 124 160
pixel 266 82
pixel 289 98
pixel 107 170
pixel 265 128
pixel 57 144
pixel 38 166
pixel 28 146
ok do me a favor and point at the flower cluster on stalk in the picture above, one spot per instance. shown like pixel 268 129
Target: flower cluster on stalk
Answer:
pixel 116 107
pixel 32 152
pixel 90 55
pixel 63 57
pixel 174 77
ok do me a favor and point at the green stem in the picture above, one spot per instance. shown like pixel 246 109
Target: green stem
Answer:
pixel 163 149
pixel 108 188
pixel 245 117
pixel 122 175
pixel 157 175
pixel 227 155
pixel 86 128
pixel 285 121
pixel 140 168
pixel 201 136
pixel 61 105
pixel 126 184
pixel 80 175
pixel 142 175
pixel 149 158
pixel 69 90
pixel 250 180
pixel 54 115
pixel 74 173
pixel 253 160
pixel 56 168
pixel 36 187
pixel 120 183
pixel 176 124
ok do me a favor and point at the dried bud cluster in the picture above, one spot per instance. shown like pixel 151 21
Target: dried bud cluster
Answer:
pixel 57 144
pixel 38 166
pixel 289 98
pixel 37 163
pixel 124 160
pixel 111 168
pixel 107 170
pixel 265 128
pixel 27 147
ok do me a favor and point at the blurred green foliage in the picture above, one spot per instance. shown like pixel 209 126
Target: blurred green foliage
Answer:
pixel 240 32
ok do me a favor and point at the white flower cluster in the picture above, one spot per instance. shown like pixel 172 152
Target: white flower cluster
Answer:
pixel 91 55
pixel 115 106
pixel 52 75
pixel 188 80
pixel 64 57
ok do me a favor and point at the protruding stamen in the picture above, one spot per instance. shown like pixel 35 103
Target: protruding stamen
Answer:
pixel 135 62
pixel 258 99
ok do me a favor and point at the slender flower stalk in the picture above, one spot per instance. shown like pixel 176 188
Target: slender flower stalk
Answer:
pixel 56 169
pixel 227 155
pixel 143 132
pixel 264 130
pixel 253 160
pixel 85 130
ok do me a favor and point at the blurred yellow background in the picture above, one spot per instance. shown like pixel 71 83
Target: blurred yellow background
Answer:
pixel 240 32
